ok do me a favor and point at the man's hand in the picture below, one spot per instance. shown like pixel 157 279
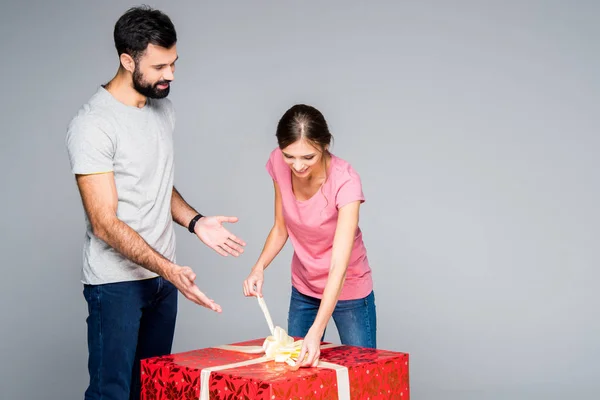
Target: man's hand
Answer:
pixel 211 232
pixel 183 278
pixel 311 349
pixel 255 278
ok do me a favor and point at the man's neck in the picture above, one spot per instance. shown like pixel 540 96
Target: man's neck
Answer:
pixel 121 88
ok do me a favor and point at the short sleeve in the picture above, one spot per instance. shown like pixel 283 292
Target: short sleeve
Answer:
pixel 170 111
pixel 90 148
pixel 270 166
pixel 350 189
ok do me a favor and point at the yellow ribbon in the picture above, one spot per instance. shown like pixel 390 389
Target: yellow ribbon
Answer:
pixel 280 347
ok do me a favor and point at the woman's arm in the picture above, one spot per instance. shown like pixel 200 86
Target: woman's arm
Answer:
pixel 343 241
pixel 278 235
pixel 274 243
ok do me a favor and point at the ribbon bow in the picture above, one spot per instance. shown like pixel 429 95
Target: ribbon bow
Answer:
pixel 279 346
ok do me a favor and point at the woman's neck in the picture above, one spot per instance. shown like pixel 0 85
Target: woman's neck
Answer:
pixel 317 176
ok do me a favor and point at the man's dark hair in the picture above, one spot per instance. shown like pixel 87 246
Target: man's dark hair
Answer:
pixel 140 26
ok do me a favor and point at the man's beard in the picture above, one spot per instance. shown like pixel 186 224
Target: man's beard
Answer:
pixel 148 89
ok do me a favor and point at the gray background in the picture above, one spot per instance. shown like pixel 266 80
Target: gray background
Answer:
pixel 474 126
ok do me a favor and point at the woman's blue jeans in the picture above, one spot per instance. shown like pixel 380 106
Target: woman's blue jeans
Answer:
pixel 355 320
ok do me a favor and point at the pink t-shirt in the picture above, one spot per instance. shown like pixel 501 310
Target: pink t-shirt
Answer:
pixel 311 227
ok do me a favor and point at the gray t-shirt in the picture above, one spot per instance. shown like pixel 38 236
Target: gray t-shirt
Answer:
pixel 136 144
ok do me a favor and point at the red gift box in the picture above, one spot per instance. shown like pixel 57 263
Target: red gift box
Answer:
pixel 370 373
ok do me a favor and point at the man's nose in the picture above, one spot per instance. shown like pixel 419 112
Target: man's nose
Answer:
pixel 169 74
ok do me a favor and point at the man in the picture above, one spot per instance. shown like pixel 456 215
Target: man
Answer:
pixel 121 152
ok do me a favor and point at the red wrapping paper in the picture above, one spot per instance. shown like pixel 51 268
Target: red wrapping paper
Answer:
pixel 374 374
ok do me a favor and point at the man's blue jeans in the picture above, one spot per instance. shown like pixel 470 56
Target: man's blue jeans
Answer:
pixel 127 321
pixel 355 320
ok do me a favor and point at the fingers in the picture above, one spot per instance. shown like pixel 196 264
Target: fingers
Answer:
pixel 227 248
pixel 316 361
pixel 237 240
pixel 312 358
pixel 220 239
pixel 301 357
pixel 189 274
pixel 249 287
pixel 235 243
pixel 309 355
pixel 185 284
pixel 200 298
pixel 258 291
pixel 231 248
pixel 309 358
pixel 222 218
pixel 219 250
pixel 251 291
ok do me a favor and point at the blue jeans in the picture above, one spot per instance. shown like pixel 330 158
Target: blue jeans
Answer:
pixel 355 320
pixel 127 321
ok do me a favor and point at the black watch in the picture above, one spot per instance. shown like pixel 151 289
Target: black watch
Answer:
pixel 192 224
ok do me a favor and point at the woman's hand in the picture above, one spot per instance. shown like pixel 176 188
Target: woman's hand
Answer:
pixel 254 281
pixel 311 348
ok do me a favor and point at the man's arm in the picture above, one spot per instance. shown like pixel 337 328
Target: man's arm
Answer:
pixel 99 196
pixel 181 210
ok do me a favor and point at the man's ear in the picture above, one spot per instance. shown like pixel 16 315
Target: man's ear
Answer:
pixel 127 62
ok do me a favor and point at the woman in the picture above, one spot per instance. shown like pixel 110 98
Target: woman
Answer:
pixel 317 200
